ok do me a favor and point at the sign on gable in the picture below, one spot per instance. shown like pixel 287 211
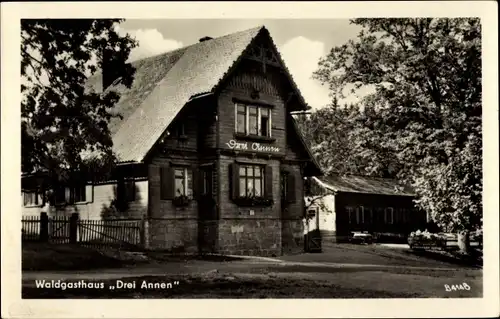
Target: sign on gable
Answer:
pixel 232 144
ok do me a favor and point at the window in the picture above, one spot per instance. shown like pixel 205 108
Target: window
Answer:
pixel 31 198
pixel 398 216
pixel 351 215
pixel 183 183
pixel 389 215
pixel 60 195
pixel 71 195
pixel 251 181
pixel 251 184
pixel 125 191
pixel 176 182
pixel 78 194
pixel 253 120
pixel 368 215
pixel 241 119
pixel 404 216
pixel 265 115
pixel 360 215
pixel 379 215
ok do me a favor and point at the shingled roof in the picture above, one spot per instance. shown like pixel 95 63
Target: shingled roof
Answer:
pixel 163 84
pixel 364 185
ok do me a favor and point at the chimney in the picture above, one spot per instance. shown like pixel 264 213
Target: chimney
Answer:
pixel 205 39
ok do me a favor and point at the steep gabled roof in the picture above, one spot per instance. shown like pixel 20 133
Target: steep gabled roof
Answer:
pixel 163 84
pixel 149 72
pixel 364 185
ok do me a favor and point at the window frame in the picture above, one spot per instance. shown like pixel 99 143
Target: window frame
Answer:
pixel 83 189
pixel 67 195
pixel 253 178
pixel 386 215
pixel 349 210
pixel 128 186
pixel 187 176
pixel 37 198
pixel 361 216
pixel 265 199
pixel 246 130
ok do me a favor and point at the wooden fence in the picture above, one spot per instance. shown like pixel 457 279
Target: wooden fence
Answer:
pixel 71 229
pixel 110 232
pixel 31 228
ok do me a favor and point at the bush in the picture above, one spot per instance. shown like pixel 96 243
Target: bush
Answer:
pixel 425 239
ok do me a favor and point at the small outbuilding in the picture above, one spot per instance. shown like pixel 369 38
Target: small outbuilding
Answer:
pixel 340 205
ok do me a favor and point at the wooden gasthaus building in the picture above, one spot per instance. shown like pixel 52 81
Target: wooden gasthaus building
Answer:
pixel 208 150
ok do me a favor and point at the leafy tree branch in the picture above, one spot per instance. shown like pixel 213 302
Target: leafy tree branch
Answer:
pixel 64 125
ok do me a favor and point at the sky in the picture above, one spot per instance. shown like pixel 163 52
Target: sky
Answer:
pixel 301 42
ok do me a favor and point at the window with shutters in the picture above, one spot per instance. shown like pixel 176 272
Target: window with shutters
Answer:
pixel 183 182
pixel 176 184
pixel 251 185
pixel 251 181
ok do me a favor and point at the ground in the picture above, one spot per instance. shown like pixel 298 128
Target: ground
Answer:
pixel 340 271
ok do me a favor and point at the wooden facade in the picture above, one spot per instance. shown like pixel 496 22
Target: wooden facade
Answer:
pixel 227 174
pixel 342 210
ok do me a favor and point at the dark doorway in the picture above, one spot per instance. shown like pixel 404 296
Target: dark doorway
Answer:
pixel 207 211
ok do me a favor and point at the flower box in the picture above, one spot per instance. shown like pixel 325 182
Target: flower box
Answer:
pixel 181 201
pixel 253 201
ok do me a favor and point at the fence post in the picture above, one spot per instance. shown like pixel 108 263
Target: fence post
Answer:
pixel 44 227
pixel 73 228
pixel 145 232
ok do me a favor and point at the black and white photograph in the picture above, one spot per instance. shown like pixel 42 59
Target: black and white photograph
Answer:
pixel 202 158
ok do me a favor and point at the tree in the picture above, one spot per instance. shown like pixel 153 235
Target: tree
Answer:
pixel 64 127
pixel 337 136
pixel 426 111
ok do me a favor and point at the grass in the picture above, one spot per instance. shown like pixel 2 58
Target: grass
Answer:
pixel 379 255
pixel 474 259
pixel 47 256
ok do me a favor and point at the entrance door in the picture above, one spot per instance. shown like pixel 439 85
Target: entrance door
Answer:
pixel 207 211
pixel 313 235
